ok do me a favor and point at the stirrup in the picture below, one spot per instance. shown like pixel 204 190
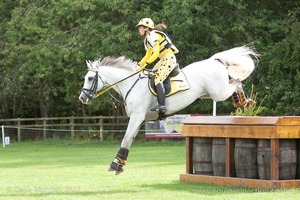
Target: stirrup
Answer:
pixel 160 109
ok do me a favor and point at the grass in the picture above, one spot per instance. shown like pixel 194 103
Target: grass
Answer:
pixel 78 170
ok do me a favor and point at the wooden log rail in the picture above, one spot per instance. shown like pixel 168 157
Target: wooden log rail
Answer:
pixel 273 129
pixel 163 135
pixel 72 123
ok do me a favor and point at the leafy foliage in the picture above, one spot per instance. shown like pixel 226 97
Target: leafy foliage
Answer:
pixel 43 46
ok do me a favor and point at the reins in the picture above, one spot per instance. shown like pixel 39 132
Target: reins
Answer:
pixel 116 83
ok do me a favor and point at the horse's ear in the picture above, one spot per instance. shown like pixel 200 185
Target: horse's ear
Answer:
pixel 89 64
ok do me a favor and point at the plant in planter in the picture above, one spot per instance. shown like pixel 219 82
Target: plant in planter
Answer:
pixel 251 110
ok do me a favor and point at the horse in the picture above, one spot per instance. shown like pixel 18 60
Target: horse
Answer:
pixel 209 77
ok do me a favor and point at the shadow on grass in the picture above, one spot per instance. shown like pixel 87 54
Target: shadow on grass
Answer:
pixel 64 191
pixel 205 189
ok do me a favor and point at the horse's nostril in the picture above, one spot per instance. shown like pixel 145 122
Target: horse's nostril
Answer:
pixel 81 98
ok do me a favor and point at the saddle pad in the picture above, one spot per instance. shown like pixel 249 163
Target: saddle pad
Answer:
pixel 176 84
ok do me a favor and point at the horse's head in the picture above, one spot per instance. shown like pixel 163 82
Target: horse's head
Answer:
pixel 91 84
pixel 113 72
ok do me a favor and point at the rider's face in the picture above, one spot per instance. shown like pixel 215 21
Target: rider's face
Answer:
pixel 142 30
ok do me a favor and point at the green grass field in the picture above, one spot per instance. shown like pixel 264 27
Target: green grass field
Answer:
pixel 78 170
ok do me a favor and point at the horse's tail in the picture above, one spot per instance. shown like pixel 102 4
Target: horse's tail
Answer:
pixel 238 61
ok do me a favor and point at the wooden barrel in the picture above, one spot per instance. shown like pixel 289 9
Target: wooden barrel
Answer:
pixel 298 160
pixel 202 156
pixel 264 159
pixel 219 156
pixel 245 158
pixel 287 159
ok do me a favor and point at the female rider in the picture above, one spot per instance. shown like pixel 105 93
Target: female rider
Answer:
pixel 157 45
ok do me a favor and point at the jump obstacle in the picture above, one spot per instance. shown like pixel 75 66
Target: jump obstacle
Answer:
pixel 252 152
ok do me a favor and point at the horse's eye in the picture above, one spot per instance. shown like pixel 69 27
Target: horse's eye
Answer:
pixel 91 78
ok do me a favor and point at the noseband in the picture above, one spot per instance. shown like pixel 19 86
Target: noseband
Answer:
pixel 92 91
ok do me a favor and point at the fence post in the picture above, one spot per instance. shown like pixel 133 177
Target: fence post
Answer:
pixel 72 127
pixel 19 130
pixel 3 136
pixel 101 128
pixel 44 128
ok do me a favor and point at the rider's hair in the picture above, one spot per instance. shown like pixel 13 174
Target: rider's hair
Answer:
pixel 160 26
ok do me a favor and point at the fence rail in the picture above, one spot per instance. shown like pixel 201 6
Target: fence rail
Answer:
pixel 94 124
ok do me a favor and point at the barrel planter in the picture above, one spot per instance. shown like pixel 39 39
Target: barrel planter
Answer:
pixel 202 156
pixel 219 156
pixel 287 159
pixel 252 144
pixel 245 158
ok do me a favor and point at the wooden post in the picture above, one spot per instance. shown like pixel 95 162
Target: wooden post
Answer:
pixel 274 165
pixel 189 155
pixel 19 130
pixel 101 128
pixel 72 127
pixel 229 157
pixel 44 128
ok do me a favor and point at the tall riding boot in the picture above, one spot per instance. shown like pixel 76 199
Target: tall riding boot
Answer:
pixel 160 90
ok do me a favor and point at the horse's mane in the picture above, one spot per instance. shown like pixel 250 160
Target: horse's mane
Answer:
pixel 120 62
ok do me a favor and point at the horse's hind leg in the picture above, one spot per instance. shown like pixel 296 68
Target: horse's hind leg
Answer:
pixel 240 100
pixel 225 92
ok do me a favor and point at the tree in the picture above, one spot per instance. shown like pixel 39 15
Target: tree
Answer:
pixel 47 45
pixel 282 75
pixel 44 45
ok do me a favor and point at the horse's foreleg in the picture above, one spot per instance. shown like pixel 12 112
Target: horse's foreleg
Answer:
pixel 131 132
pixel 119 161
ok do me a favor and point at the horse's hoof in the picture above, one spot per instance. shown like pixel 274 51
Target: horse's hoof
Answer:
pixel 250 102
pixel 119 172
pixel 117 167
pixel 113 170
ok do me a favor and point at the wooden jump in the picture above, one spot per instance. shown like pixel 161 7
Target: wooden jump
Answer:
pixel 231 128
pixel 163 135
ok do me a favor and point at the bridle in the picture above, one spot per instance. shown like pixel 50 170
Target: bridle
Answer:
pixel 92 91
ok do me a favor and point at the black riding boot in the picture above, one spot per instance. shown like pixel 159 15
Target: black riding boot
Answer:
pixel 160 90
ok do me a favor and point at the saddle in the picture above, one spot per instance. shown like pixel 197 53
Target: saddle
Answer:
pixel 174 83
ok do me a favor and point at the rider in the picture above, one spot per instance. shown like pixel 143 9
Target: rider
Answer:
pixel 157 45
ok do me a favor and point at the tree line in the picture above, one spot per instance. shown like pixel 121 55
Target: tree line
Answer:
pixel 44 45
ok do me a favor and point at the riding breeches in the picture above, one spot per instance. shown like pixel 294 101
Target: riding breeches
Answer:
pixel 164 67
